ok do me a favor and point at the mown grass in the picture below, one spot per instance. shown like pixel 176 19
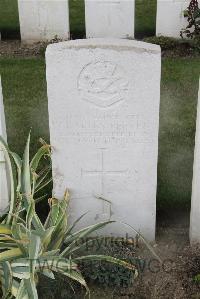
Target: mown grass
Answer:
pixel 77 18
pixel 24 87
pixel 145 18
pixel 179 89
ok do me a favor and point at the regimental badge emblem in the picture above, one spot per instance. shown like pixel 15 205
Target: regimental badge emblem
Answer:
pixel 103 83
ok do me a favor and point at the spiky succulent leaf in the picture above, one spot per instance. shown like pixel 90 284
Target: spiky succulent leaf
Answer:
pixel 71 240
pixel 11 172
pixel 6 278
pixel 34 250
pixel 44 150
pixel 10 254
pixel 26 179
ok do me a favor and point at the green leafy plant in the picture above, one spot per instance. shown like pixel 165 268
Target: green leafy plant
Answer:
pixel 175 47
pixel 30 248
pixel 108 274
pixel 193 17
pixel 166 43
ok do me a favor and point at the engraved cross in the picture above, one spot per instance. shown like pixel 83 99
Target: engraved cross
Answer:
pixel 102 172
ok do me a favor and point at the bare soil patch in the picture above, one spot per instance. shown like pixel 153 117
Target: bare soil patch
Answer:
pixel 15 48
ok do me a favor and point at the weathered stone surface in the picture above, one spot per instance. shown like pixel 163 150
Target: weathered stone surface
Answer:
pixel 110 18
pixel 195 203
pixel 42 20
pixel 103 97
pixel 170 17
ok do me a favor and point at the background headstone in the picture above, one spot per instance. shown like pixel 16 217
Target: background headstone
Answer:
pixel 195 203
pixel 110 18
pixel 42 20
pixel 103 97
pixel 4 186
pixel 170 17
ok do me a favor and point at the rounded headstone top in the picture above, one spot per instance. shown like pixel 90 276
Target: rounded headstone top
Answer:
pixel 104 43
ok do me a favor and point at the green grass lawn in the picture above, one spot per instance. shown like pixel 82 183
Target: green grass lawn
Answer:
pixel 77 18
pixel 25 98
pixel 145 18
pixel 24 88
pixel 179 90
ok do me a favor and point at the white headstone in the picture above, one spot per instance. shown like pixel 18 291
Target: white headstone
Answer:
pixel 4 193
pixel 170 17
pixel 110 18
pixel 42 20
pixel 103 97
pixel 195 203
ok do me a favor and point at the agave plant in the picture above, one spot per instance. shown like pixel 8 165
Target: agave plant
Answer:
pixel 28 246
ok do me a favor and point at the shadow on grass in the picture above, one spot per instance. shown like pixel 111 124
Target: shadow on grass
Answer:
pixel 9 19
pixel 8 34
